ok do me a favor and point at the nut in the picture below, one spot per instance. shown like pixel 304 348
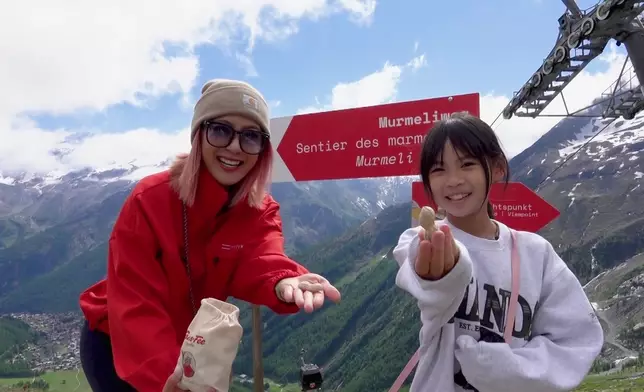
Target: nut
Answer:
pixel 426 219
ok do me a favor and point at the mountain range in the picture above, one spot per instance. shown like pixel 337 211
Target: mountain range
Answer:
pixel 53 232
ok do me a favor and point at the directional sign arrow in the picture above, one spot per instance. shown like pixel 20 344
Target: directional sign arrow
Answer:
pixel 373 141
pixel 517 206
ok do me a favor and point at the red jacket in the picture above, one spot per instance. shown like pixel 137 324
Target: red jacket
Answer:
pixel 144 302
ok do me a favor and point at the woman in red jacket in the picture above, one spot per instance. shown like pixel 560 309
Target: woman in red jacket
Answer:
pixel 204 228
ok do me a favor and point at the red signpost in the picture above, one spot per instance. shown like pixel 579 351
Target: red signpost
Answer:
pixel 373 141
pixel 517 206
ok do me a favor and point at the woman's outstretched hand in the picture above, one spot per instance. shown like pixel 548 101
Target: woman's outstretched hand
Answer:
pixel 173 381
pixel 437 254
pixel 307 291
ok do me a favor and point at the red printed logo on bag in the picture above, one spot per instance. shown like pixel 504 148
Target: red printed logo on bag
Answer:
pixel 189 364
pixel 198 339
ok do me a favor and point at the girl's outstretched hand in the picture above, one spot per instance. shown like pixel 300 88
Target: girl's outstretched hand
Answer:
pixel 437 255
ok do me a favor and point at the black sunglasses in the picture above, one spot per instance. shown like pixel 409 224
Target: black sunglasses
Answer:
pixel 221 135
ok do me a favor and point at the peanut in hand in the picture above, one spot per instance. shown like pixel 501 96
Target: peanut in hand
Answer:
pixel 427 220
pixel 437 253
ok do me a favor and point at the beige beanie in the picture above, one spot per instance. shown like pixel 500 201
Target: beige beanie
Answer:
pixel 220 97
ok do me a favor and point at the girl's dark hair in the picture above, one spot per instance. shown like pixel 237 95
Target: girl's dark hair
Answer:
pixel 469 135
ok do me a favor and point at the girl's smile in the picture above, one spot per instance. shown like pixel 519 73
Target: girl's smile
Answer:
pixel 458 196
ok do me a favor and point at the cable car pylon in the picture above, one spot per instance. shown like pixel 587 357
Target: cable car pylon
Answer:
pixel 583 36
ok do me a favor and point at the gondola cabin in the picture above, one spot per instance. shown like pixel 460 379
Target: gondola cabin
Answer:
pixel 310 377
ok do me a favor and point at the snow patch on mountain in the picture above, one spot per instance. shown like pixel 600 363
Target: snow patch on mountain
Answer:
pixel 7 180
pixel 130 172
pixel 620 133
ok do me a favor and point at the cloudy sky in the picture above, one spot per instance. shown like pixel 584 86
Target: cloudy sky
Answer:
pixel 109 82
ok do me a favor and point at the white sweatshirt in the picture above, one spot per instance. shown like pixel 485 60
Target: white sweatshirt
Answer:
pixel 556 335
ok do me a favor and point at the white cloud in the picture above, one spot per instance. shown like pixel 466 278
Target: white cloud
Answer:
pixel 378 87
pixel 374 89
pixel 417 62
pixel 32 150
pixel 361 10
pixel 519 133
pixel 62 57
pixel 247 63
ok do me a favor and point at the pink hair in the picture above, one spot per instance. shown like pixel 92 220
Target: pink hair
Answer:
pixel 184 176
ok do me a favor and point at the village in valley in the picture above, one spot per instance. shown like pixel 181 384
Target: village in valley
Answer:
pixel 57 347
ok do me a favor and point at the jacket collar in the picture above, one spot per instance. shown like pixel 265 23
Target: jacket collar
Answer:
pixel 210 201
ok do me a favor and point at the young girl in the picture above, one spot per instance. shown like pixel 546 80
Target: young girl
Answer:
pixel 462 278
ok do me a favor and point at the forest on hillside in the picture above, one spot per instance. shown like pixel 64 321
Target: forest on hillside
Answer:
pixel 14 336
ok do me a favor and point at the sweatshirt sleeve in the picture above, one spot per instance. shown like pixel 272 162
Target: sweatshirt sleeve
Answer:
pixel 141 331
pixel 438 300
pixel 567 337
pixel 264 263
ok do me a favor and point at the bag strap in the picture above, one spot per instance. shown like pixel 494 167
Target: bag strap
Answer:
pixel 515 265
pixel 186 261
pixel 405 372
pixel 514 293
